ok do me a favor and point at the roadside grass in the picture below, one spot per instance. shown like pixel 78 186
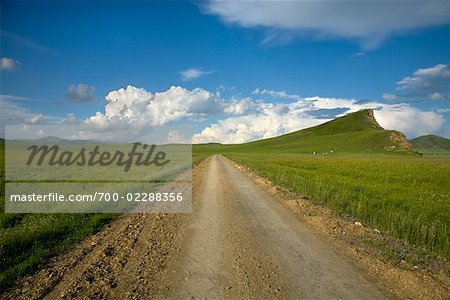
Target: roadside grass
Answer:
pixel 27 241
pixel 407 197
pixel 27 244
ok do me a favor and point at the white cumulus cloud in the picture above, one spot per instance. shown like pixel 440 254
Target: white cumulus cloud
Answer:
pixel 240 106
pixel 409 120
pixel 266 124
pixel 265 119
pixel 34 119
pixel 175 137
pixel 9 64
pixel 132 110
pixel 133 113
pixel 437 96
pixel 252 120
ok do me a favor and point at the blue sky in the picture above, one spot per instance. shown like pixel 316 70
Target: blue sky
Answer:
pixel 60 59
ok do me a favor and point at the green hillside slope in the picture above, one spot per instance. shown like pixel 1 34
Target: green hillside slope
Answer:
pixel 431 144
pixel 357 132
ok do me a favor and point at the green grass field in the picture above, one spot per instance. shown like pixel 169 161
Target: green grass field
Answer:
pixel 407 196
pixel 28 240
pixel 360 170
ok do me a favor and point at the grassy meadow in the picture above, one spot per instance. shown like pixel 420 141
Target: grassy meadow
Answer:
pixel 359 169
pixel 28 240
pixel 408 197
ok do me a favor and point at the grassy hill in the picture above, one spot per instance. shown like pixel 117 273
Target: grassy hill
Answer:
pixel 357 132
pixel 431 144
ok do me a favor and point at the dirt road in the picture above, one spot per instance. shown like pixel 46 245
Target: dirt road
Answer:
pixel 238 243
pixel 244 244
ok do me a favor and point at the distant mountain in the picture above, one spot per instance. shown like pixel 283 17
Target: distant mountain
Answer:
pixel 357 132
pixel 431 144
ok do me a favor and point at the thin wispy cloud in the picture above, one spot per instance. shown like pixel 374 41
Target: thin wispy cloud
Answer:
pixel 27 43
pixel 15 98
pixel 431 83
pixel 435 79
pixel 193 73
pixel 16 113
pixel 389 97
pixel 368 22
pixel 275 94
pixel 358 54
